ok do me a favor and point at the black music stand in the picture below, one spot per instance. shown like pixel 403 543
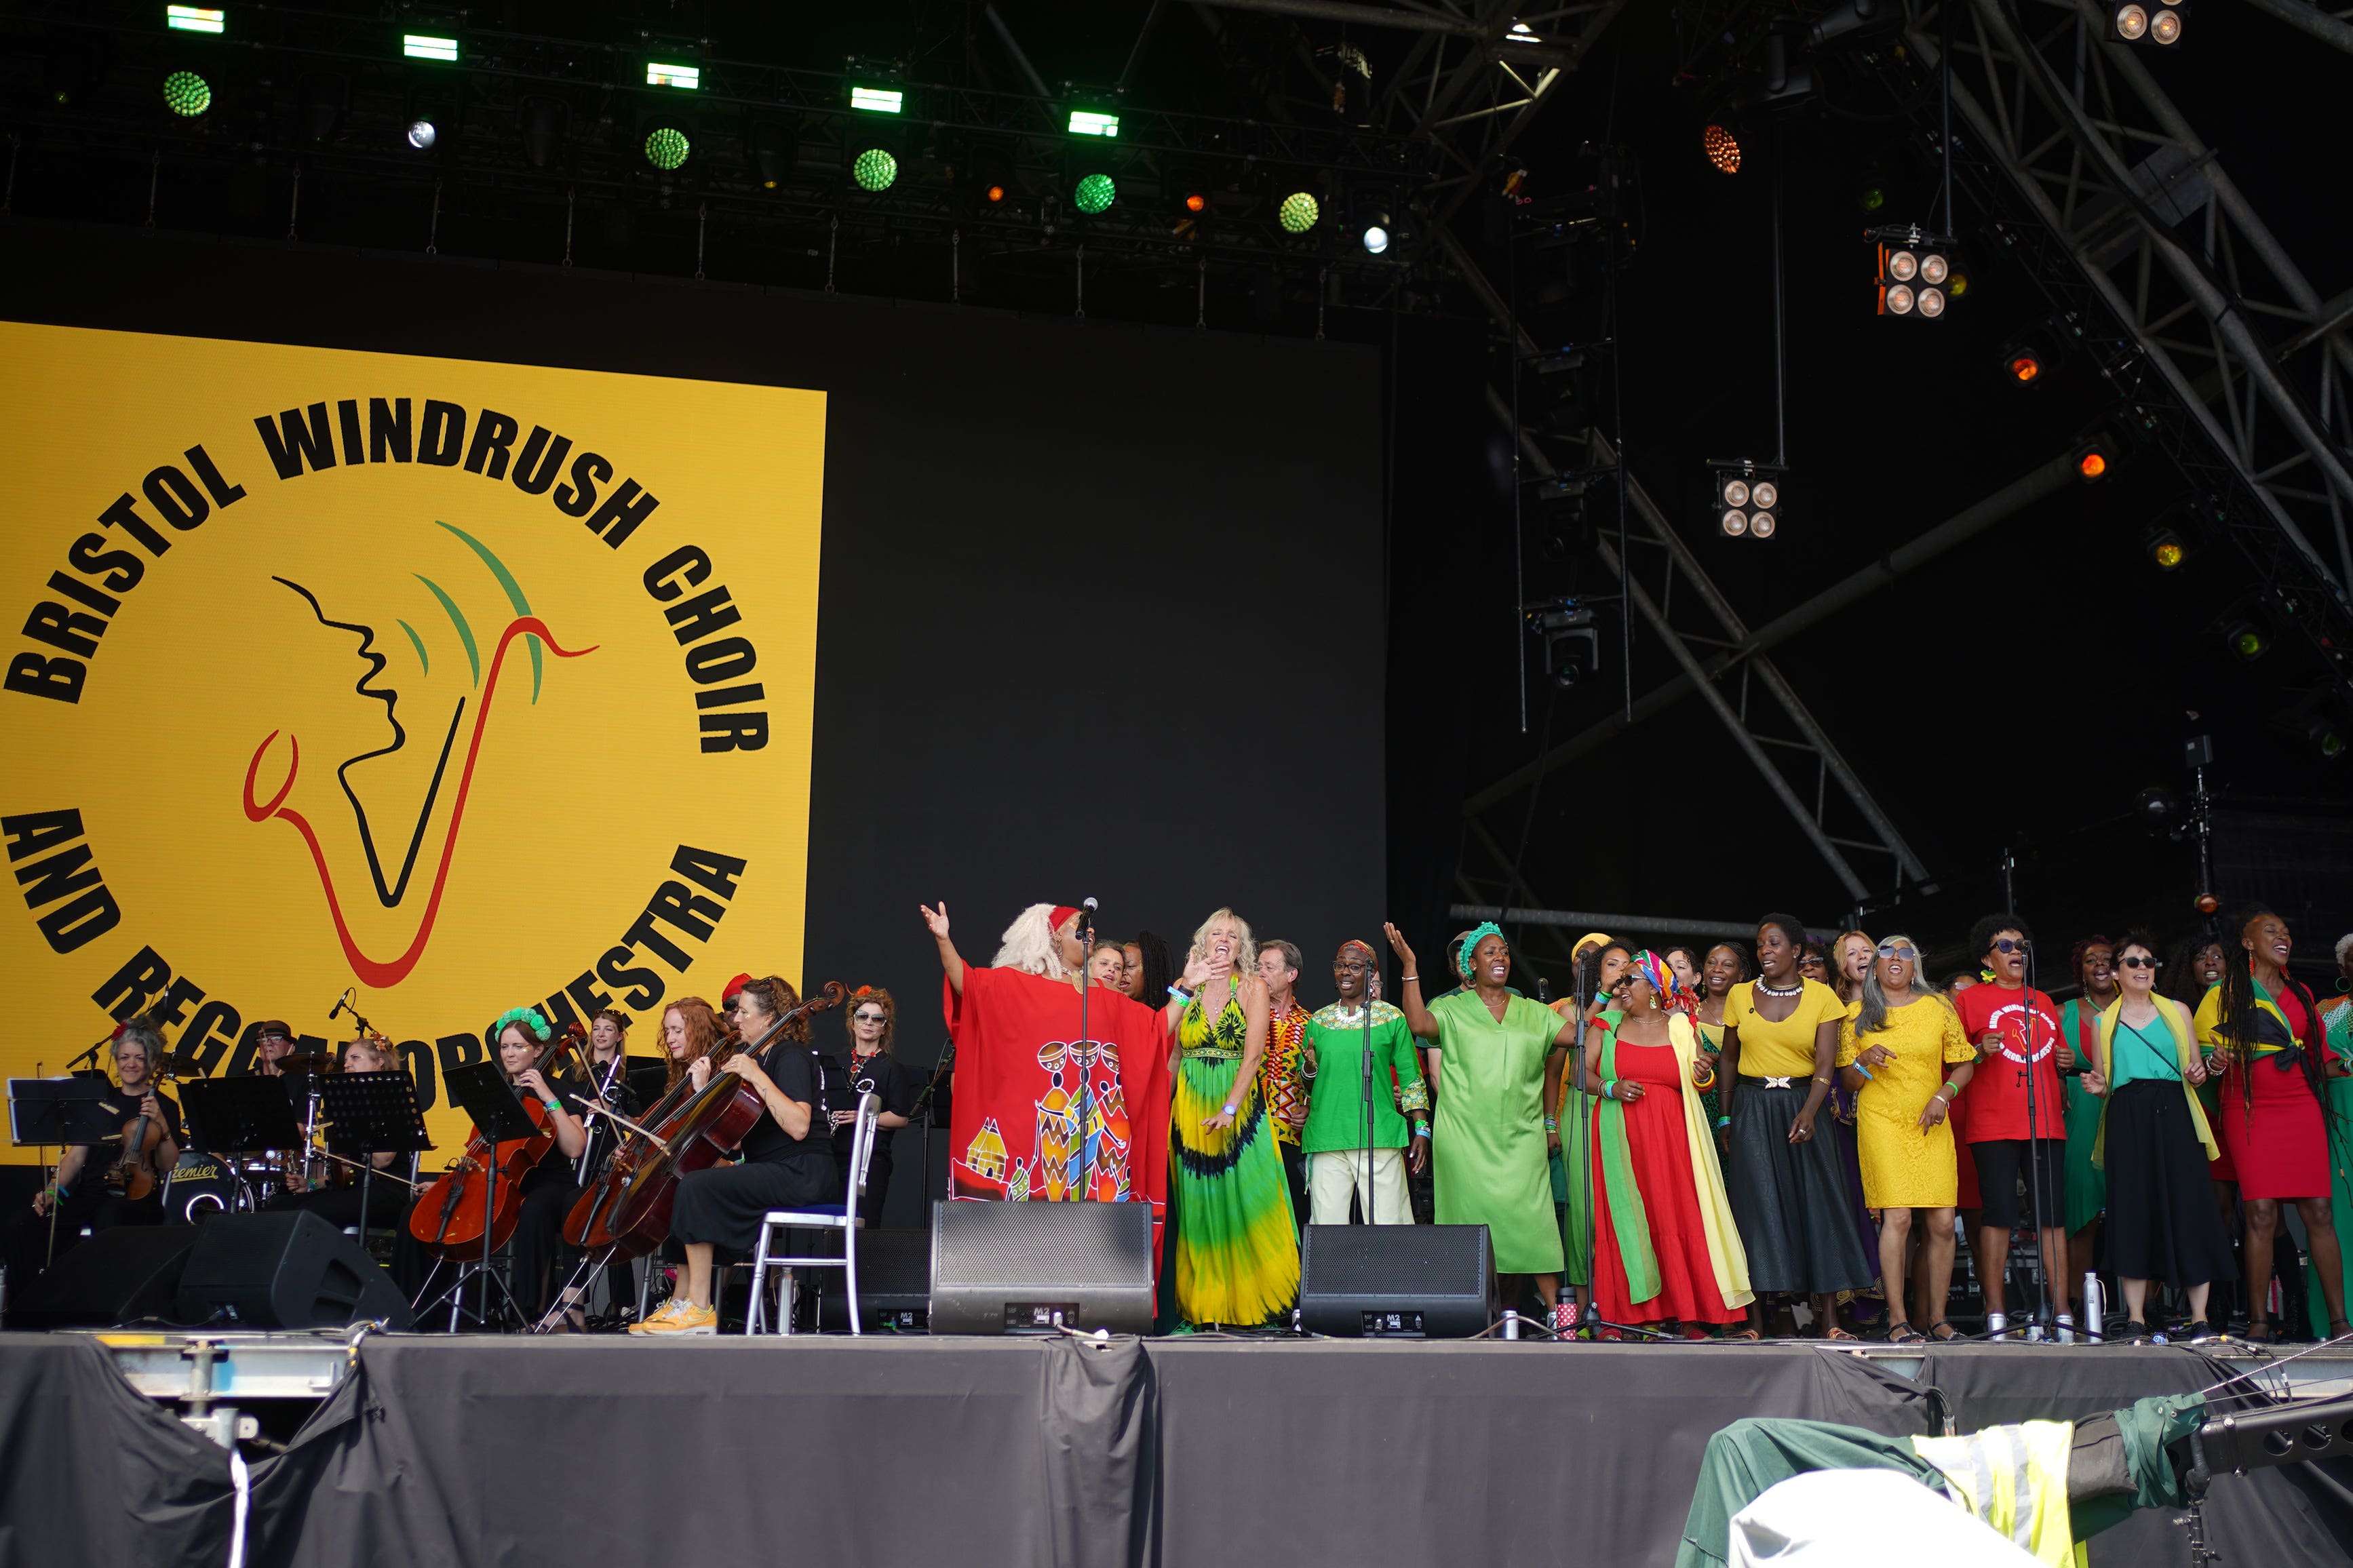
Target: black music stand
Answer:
pixel 373 1113
pixel 238 1115
pixel 482 1092
pixel 61 1110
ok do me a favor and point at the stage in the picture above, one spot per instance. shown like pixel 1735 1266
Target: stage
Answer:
pixel 584 1451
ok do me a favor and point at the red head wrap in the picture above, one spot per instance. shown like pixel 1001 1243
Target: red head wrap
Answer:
pixel 1061 913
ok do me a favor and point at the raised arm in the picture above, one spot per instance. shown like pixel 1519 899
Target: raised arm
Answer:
pixel 935 921
pixel 1419 1018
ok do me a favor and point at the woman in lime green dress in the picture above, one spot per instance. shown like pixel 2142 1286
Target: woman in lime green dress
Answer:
pixel 1237 1245
pixel 1491 1053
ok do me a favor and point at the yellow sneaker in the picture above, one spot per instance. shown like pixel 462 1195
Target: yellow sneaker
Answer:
pixel 679 1318
pixel 668 1309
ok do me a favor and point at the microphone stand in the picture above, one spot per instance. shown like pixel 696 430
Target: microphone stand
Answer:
pixel 1086 1074
pixel 942 1069
pixel 1368 1077
pixel 2033 1155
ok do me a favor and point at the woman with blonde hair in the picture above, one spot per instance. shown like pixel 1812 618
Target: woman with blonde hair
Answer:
pixel 1237 1243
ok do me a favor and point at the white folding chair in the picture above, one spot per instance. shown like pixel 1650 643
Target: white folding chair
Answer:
pixel 841 1216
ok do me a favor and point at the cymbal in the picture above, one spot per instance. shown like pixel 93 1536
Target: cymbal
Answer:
pixel 304 1061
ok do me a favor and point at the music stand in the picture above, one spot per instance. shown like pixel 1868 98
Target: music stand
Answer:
pixel 373 1113
pixel 62 1111
pixel 238 1115
pixel 482 1092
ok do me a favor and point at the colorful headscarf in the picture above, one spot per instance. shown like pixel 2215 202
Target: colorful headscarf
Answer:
pixel 1662 979
pixel 1471 940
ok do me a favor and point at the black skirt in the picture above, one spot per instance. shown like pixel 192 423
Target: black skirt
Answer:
pixel 723 1206
pixel 2162 1223
pixel 1790 1199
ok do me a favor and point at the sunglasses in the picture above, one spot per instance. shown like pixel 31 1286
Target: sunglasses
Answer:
pixel 869 1017
pixel 2013 944
pixel 2138 961
pixel 1890 950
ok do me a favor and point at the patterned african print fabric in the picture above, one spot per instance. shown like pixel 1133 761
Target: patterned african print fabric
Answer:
pixel 1237 1242
pixel 1283 1073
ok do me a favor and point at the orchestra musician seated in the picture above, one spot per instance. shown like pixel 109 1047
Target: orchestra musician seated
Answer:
pixel 338 1199
pixel 99 1186
pixel 787 1154
pixel 552 1186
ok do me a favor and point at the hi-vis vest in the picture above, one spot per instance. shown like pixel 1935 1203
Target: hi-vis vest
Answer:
pixel 2014 1478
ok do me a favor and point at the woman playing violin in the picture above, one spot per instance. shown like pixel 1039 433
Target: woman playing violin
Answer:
pixel 787 1155
pixel 90 1191
pixel 550 1187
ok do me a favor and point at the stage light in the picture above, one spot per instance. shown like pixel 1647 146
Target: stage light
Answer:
pixel 1873 198
pixel 1747 500
pixel 425 46
pixel 1094 122
pixel 2165 27
pixel 2129 23
pixel 1903 266
pixel 1722 147
pixel 1931 302
pixel 1521 33
pixel 1195 202
pixel 1934 269
pixel 2143 22
pixel 2156 807
pixel 995 193
pixel 1913 276
pixel 1094 194
pixel 1375 234
pixel 2091 463
pixel 187 94
pixel 877 100
pixel 1572 643
pixel 667 147
pixel 2246 639
pixel 194 19
pixel 1898 300
pixel 2165 550
pixel 874 169
pixel 422 135
pixel 661 75
pixel 1298 213
pixel 2326 738
pixel 2024 368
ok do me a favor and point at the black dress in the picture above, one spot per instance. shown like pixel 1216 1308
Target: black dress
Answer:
pixel 723 1206
pixel 2162 1223
pixel 91 1205
pixel 880 1075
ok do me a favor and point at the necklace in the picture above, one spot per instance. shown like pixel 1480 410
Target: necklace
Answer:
pixel 1765 990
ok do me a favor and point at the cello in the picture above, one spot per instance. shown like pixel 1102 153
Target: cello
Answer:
pixel 628 1209
pixel 447 1219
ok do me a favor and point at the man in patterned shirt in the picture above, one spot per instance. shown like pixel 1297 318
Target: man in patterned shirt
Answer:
pixel 1283 1075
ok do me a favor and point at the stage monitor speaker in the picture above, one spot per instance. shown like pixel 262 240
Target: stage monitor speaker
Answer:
pixel 1415 1281
pixel 118 1276
pixel 285 1271
pixel 1008 1267
pixel 894 1284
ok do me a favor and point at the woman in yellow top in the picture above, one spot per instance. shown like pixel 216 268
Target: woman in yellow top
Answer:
pixel 1905 1056
pixel 1781 1035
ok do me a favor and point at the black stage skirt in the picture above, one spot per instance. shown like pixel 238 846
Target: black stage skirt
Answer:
pixel 2162 1223
pixel 723 1206
pixel 1790 1199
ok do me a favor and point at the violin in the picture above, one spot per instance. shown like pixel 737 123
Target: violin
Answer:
pixel 135 1173
pixel 448 1216
pixel 627 1210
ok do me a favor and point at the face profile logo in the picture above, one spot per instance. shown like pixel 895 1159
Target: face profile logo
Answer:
pixel 386 786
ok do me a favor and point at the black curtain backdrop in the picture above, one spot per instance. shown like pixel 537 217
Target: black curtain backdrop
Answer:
pixel 1102 608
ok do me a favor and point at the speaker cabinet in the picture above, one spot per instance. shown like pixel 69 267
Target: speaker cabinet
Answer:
pixel 1414 1281
pixel 285 1271
pixel 894 1284
pixel 118 1276
pixel 1008 1267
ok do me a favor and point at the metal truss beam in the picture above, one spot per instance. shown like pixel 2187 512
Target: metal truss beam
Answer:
pixel 1581 919
pixel 1412 18
pixel 2127 221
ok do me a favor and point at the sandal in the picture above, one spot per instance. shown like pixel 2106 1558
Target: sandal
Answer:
pixel 1906 1334
pixel 1751 1335
pixel 2338 1328
pixel 1949 1334
pixel 2260 1334
pixel 1833 1333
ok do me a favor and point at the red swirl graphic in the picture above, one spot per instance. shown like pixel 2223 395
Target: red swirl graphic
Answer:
pixel 374 972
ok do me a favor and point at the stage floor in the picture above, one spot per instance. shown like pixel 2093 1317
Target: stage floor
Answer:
pixel 589 1450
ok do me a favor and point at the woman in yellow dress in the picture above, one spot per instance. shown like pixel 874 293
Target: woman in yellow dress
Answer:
pixel 1905 1056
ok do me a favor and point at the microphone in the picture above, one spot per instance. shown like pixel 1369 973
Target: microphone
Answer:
pixel 343 1004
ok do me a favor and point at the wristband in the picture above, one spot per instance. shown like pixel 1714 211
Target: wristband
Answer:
pixel 1609 1089
pixel 1945 1091
pixel 1860 1069
pixel 1421 1129
pixel 1722 1121
pixel 1410 980
pixel 554 1106
pixel 1552 1124
pixel 1180 996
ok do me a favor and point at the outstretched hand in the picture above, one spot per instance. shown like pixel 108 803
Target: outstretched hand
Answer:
pixel 1397 945
pixel 935 921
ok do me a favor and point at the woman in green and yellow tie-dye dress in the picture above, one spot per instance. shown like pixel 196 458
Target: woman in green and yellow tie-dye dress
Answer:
pixel 1236 1244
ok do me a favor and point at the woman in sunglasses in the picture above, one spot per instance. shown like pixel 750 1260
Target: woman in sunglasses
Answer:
pixel 2263 1026
pixel 2016 1118
pixel 2153 1143
pixel 1904 1055
pixel 873 1023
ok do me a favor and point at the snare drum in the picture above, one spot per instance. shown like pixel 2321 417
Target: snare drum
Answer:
pixel 199 1183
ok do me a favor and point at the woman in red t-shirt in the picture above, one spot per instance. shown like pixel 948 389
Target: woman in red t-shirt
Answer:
pixel 2016 1120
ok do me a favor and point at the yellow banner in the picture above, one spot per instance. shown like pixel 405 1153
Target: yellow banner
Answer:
pixel 464 685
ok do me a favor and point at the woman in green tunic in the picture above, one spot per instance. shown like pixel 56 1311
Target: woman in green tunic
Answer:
pixel 1491 1052
pixel 2087 1183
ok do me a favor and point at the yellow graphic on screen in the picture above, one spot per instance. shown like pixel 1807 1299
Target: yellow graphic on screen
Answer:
pixel 467 685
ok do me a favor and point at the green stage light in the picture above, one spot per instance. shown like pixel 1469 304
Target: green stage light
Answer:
pixel 1095 194
pixel 877 100
pixel 425 46
pixel 667 147
pixel 1298 213
pixel 194 19
pixel 187 94
pixel 687 77
pixel 1094 122
pixel 1873 198
pixel 875 170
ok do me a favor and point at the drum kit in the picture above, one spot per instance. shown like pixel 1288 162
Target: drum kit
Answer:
pixel 244 1181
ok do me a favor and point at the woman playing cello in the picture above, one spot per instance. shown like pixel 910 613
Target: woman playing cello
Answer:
pixel 787 1155
pixel 549 1187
